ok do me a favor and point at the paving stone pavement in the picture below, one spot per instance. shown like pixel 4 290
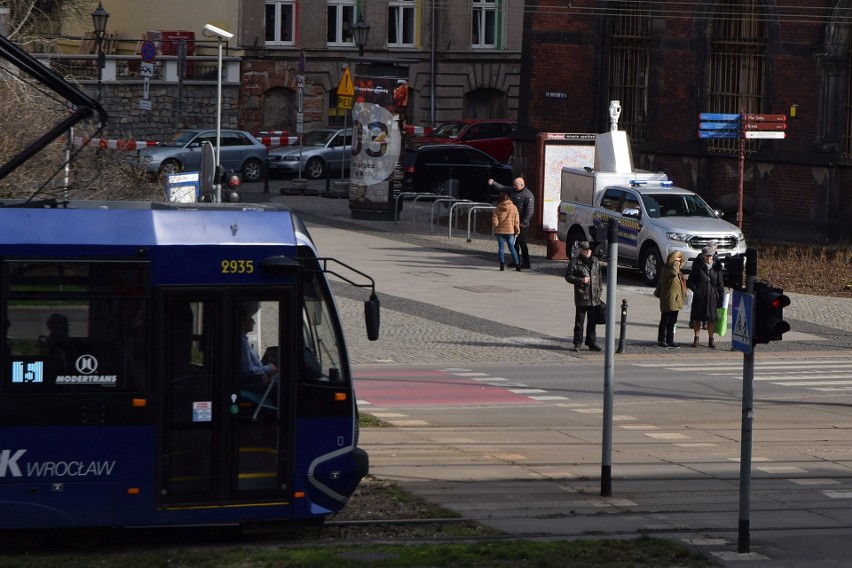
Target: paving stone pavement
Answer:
pixel 444 302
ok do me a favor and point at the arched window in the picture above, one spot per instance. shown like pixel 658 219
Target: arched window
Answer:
pixel 485 103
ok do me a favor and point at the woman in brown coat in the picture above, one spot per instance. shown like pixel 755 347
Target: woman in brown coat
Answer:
pixel 507 224
pixel 671 290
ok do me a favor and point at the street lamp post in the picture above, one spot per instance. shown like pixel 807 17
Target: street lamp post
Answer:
pixel 360 31
pixel 99 20
pixel 220 35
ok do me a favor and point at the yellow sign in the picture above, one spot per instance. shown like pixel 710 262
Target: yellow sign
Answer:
pixel 344 102
pixel 346 88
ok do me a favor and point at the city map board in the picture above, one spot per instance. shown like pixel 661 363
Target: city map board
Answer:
pixel 560 150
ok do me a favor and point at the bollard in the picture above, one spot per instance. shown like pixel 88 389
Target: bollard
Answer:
pixel 623 330
pixel 266 183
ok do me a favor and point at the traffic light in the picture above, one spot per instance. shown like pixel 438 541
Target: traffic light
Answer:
pixel 769 304
pixel 734 268
pixel 230 179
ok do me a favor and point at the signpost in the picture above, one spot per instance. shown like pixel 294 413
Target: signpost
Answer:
pixel 718 125
pixel 765 126
pixel 146 69
pixel 345 91
pixel 752 134
pixel 345 95
pixel 713 125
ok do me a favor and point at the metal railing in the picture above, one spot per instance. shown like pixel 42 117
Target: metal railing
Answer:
pixel 473 211
pixel 462 204
pixel 127 68
pixel 452 200
pixel 416 196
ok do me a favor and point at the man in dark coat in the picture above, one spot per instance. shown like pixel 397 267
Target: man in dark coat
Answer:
pixel 524 200
pixel 705 281
pixel 584 272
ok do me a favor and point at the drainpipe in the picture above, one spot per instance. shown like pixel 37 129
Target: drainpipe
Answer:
pixel 434 88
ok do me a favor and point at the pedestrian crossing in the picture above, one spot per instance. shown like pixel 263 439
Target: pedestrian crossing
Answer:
pixel 822 375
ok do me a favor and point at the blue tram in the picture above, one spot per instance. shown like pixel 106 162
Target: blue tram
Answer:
pixel 169 364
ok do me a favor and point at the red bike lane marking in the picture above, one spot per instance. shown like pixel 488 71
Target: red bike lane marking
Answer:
pixel 429 388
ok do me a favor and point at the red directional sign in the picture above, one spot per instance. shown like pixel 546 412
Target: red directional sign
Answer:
pixel 765 117
pixel 764 126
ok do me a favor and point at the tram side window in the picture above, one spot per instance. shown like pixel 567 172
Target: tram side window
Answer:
pixel 322 359
pixel 75 326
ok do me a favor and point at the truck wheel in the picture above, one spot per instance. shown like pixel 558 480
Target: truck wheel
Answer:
pixel 650 265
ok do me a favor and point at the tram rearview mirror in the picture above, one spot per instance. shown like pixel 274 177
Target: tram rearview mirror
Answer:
pixel 371 316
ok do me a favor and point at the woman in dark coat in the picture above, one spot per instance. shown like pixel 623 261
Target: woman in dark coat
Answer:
pixel 705 281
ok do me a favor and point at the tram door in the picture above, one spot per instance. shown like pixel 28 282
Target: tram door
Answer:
pixel 225 433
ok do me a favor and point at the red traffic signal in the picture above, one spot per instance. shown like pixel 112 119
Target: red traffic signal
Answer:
pixel 231 179
pixel 769 304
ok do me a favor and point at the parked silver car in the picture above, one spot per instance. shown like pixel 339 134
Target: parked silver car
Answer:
pixel 241 152
pixel 322 150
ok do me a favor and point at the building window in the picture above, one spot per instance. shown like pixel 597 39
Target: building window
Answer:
pixel 341 16
pixel 280 22
pixel 737 71
pixel 485 23
pixel 401 23
pixel 629 66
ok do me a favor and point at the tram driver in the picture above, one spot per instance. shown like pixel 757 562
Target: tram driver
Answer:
pixel 250 363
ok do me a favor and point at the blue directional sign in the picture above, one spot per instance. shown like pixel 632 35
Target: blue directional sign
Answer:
pixel 718 134
pixel 719 126
pixel 742 325
pixel 718 117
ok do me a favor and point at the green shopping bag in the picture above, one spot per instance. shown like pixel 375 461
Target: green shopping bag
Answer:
pixel 722 315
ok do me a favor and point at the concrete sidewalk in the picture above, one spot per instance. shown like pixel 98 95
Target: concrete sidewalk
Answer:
pixel 462 277
pixel 434 287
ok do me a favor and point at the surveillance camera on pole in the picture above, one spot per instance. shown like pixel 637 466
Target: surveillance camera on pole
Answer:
pixel 222 35
pixel 218 31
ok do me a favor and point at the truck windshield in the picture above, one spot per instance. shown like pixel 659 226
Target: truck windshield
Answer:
pixel 676 205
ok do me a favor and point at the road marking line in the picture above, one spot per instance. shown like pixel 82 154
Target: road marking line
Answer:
pixel 814 481
pixel 782 469
pixel 667 436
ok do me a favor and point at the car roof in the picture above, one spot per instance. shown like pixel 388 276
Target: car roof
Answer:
pixel 199 130
pixel 436 147
pixel 653 188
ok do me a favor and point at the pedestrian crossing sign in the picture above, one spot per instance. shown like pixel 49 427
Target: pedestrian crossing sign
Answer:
pixel 742 325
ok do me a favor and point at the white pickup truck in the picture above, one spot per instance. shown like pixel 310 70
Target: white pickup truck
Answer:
pixel 654 217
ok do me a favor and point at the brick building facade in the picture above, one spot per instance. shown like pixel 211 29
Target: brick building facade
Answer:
pixel 668 63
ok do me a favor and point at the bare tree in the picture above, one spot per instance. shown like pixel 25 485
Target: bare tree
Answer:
pixel 63 170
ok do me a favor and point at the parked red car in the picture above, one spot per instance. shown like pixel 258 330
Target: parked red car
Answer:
pixel 491 136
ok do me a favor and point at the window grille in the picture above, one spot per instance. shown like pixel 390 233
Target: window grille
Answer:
pixel 629 66
pixel 737 70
